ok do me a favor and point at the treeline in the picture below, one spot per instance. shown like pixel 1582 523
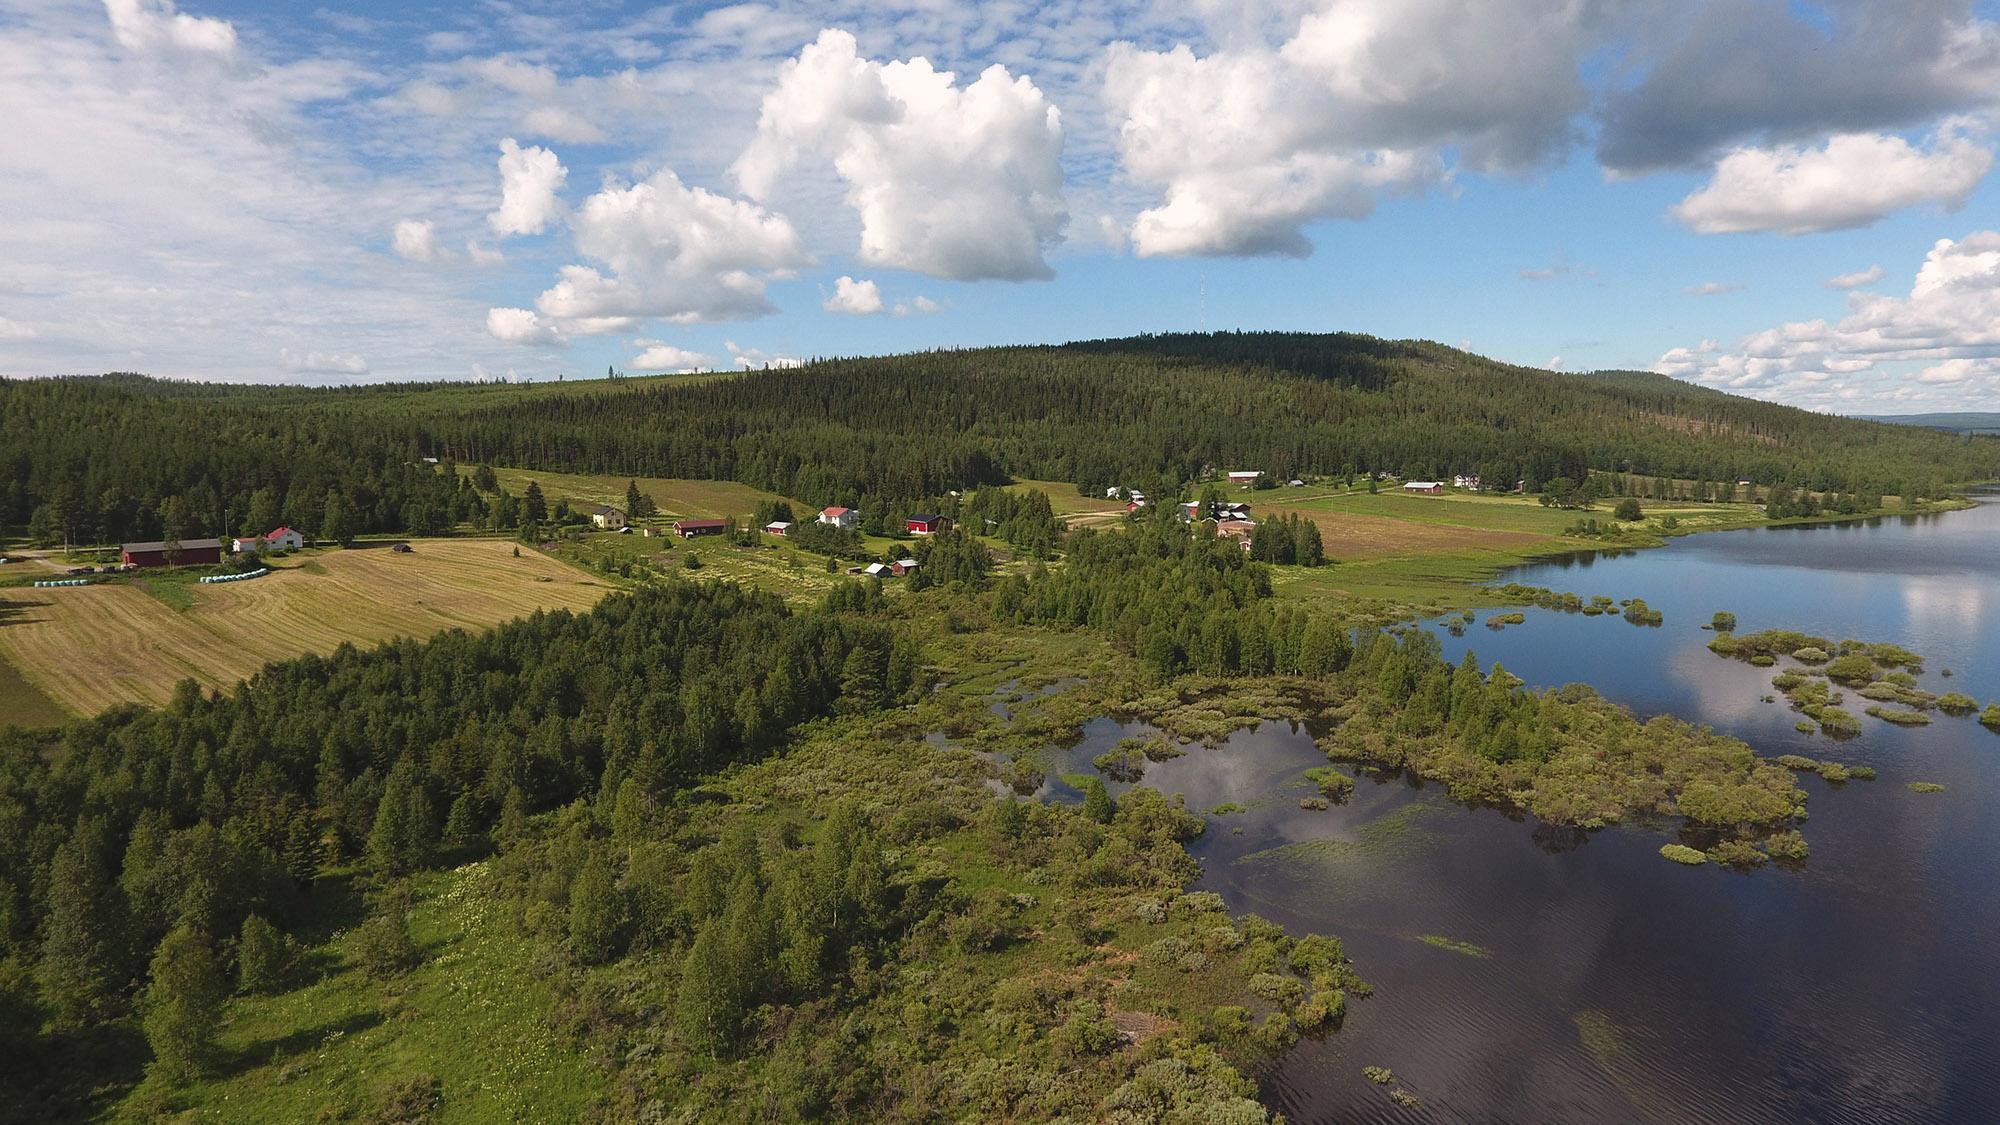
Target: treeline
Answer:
pixel 198 816
pixel 896 431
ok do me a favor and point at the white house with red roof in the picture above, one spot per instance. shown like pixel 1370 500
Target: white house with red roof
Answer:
pixel 842 518
pixel 282 539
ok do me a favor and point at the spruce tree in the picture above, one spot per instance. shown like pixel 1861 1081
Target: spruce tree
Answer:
pixel 535 509
pixel 1097 803
pixel 261 956
pixel 513 827
pixel 596 910
pixel 709 1005
pixel 1312 552
pixel 182 1004
pixel 83 937
pixel 338 524
pixel 461 824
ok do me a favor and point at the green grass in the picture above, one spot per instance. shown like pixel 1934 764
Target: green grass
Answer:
pixel 472 1014
pixel 23 704
pixel 1405 555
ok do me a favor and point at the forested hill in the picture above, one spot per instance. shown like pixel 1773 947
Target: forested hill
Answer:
pixel 108 452
pixel 1957 421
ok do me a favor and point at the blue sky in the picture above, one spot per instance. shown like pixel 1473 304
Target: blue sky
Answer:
pixel 255 192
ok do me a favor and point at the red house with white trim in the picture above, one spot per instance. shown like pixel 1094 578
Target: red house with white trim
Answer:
pixel 927 524
pixel 283 539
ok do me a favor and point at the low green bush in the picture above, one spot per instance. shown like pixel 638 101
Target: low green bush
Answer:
pixel 1852 669
pixel 1681 853
pixel 1737 853
pixel 1900 716
pixel 1786 845
pixel 1957 703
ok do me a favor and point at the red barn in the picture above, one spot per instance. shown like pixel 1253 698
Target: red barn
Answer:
pixel 688 529
pixel 926 524
pixel 188 552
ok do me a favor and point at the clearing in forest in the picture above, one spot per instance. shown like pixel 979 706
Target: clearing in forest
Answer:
pixel 676 497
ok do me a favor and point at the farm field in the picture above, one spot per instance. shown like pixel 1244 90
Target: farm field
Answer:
pixel 89 647
pixel 1430 551
pixel 800 577
pixel 1065 501
pixel 698 499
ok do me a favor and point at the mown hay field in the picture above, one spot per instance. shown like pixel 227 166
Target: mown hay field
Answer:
pixel 676 497
pixel 92 646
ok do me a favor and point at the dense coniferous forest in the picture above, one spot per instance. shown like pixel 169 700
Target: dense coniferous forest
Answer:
pixel 183 827
pixel 106 458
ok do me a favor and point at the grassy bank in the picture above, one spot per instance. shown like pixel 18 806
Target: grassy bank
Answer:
pixel 1403 555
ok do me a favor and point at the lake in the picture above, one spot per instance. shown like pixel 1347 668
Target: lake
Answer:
pixel 1582 977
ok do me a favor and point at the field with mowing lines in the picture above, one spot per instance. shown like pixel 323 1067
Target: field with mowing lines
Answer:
pixel 93 646
pixel 698 499
pixel 23 704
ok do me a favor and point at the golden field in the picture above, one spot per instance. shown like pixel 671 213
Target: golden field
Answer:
pixel 89 647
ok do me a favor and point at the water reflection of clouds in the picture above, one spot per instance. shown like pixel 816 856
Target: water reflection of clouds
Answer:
pixel 1725 692
pixel 1949 613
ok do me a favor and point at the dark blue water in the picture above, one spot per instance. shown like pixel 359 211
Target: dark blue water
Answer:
pixel 1618 986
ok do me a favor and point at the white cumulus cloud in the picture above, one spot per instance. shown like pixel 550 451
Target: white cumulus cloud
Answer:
pixel 520 326
pixel 1850 181
pixel 322 363
pixel 1946 331
pixel 152 25
pixel 953 181
pixel 529 181
pixel 417 240
pixel 1249 144
pixel 658 356
pixel 679 253
pixel 756 359
pixel 855 298
pixel 1858 279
